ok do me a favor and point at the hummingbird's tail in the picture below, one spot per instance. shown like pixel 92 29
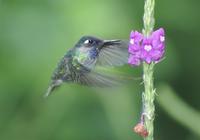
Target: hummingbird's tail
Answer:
pixel 52 87
pixel 48 92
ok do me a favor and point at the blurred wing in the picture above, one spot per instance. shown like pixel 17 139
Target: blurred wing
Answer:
pixel 99 80
pixel 89 63
pixel 105 77
pixel 114 55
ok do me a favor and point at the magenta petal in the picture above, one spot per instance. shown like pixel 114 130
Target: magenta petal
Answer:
pixel 148 60
pixel 144 54
pixel 155 54
pixel 155 43
pixel 156 34
pixel 137 54
pixel 136 36
pixel 133 48
pixel 134 60
pixel 146 41
pixel 130 49
pixel 159 46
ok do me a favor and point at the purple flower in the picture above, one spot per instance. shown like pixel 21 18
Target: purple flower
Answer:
pixel 153 47
pixel 149 49
pixel 135 48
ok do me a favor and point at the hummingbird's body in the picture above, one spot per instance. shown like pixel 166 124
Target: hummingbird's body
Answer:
pixel 78 65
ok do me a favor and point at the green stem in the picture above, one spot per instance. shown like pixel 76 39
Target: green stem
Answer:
pixel 148 17
pixel 149 92
pixel 148 99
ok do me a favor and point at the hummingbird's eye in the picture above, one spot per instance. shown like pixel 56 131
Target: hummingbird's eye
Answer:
pixel 88 42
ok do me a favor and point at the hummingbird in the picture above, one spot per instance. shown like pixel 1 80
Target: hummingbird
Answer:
pixel 79 63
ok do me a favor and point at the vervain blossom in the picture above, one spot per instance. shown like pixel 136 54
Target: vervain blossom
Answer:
pixel 134 48
pixel 148 49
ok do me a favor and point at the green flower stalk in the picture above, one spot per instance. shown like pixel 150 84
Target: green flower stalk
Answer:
pixel 148 99
pixel 149 48
pixel 149 91
pixel 148 17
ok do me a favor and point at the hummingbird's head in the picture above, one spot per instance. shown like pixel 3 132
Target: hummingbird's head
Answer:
pixel 92 46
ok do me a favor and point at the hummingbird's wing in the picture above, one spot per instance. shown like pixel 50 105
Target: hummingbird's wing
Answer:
pixel 106 77
pixel 96 79
pixel 101 76
pixel 109 56
pixel 114 55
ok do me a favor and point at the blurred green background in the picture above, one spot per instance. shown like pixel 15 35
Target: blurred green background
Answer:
pixel 35 34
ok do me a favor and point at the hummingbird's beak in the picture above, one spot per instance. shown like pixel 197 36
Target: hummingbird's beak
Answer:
pixel 111 42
